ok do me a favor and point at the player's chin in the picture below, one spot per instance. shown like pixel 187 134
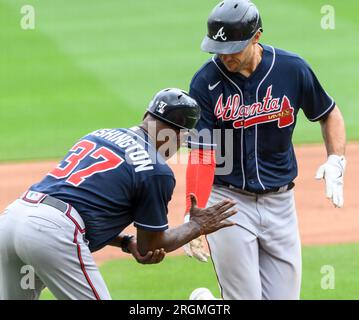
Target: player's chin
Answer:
pixel 232 67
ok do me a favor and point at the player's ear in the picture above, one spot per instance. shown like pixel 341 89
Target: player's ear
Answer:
pixel 257 36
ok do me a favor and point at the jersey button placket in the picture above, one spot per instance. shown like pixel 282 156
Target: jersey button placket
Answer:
pixel 250 145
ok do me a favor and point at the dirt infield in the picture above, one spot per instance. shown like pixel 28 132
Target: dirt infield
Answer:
pixel 319 221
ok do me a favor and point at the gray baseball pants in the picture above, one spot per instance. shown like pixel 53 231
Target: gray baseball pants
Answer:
pixel 42 246
pixel 259 257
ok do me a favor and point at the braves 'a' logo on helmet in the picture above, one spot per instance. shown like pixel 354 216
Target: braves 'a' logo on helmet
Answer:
pixel 220 34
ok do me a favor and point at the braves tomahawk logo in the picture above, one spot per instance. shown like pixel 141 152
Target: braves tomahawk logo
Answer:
pixel 260 112
pixel 220 34
pixel 161 107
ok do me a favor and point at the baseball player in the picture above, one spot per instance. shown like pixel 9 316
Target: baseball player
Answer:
pixel 251 93
pixel 109 179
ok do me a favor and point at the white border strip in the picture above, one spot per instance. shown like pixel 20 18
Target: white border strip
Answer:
pixel 149 226
pixel 203 144
pixel 322 114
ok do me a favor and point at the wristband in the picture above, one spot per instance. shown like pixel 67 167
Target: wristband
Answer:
pixel 125 242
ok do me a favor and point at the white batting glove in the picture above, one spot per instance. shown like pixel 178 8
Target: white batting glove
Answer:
pixel 195 247
pixel 333 173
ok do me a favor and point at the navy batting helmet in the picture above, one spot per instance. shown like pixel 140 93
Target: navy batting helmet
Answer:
pixel 176 108
pixel 231 25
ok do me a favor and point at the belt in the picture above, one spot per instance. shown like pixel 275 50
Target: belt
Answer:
pixel 55 203
pixel 38 197
pixel 284 188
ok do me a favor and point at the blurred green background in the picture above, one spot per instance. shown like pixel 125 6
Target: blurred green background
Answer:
pixel 176 277
pixel 90 64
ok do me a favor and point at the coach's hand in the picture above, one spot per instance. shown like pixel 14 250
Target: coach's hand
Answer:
pixel 151 257
pixel 212 218
pixel 333 173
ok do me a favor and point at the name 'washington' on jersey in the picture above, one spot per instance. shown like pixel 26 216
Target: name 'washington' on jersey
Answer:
pixel 113 177
pixel 261 112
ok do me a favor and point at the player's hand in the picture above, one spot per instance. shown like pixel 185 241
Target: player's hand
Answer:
pixel 212 218
pixel 195 248
pixel 151 257
pixel 333 173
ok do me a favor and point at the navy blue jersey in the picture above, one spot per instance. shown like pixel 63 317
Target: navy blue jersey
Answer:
pixel 113 177
pixel 261 113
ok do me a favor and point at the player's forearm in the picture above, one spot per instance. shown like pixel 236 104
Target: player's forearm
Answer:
pixel 333 131
pixel 170 239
